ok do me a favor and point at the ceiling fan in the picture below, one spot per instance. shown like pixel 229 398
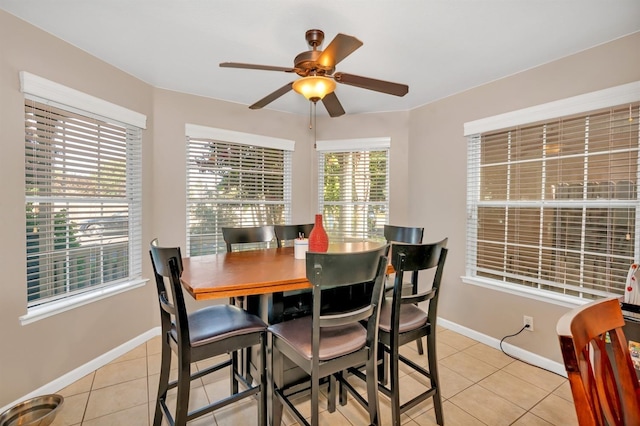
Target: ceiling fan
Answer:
pixel 316 68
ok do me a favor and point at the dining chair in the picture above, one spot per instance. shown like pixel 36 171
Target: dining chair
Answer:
pixel 601 374
pixel 410 235
pixel 248 235
pixel 330 340
pixel 200 335
pixel 403 321
pixel 291 232
pixel 403 234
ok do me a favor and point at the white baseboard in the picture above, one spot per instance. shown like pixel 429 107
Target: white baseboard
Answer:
pixel 515 351
pixel 74 375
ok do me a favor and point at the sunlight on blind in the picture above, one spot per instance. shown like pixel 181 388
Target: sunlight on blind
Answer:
pixel 82 177
pixel 233 185
pixel 354 188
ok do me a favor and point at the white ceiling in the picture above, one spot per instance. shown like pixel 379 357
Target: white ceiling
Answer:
pixel 437 47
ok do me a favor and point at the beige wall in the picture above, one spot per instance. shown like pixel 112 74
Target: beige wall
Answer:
pixel 173 110
pixel 35 354
pixel 428 157
pixel 437 164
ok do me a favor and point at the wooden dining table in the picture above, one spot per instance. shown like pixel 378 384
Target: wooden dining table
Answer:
pixel 274 277
pixel 253 272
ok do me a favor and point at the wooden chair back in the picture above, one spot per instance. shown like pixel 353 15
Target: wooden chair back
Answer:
pixel 596 356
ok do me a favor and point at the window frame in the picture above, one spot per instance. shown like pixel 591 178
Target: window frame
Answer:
pixel 239 139
pixel 36 88
pixel 375 144
pixel 582 104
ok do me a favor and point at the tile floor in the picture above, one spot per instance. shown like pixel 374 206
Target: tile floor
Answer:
pixel 480 386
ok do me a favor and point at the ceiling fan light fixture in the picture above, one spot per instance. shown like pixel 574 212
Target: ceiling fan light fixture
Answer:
pixel 314 87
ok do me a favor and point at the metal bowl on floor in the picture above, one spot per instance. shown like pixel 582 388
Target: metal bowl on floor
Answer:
pixel 38 411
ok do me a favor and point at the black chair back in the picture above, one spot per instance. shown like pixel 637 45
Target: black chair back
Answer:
pixel 334 270
pixel 167 264
pixel 244 235
pixel 291 232
pixel 403 234
pixel 414 258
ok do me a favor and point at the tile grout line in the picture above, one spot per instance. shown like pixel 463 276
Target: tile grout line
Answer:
pixel 527 412
pixel 86 405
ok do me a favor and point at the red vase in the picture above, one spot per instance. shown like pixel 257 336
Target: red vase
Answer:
pixel 318 239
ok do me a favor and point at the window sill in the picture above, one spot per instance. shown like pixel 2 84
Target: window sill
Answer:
pixel 53 308
pixel 531 293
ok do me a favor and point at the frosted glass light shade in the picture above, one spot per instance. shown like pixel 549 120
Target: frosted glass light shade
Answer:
pixel 314 88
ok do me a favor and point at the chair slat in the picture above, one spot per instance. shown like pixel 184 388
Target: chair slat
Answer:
pixel 601 374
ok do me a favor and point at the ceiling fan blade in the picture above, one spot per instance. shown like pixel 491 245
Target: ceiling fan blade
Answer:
pixel 332 104
pixel 255 67
pixel 340 47
pixel 272 96
pixel 388 87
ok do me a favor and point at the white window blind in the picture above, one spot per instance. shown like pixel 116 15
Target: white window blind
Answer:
pixel 553 205
pixel 232 184
pixel 353 184
pixel 83 201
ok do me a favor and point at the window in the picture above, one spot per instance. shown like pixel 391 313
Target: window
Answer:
pixel 234 179
pixel 553 204
pixel 83 193
pixel 353 183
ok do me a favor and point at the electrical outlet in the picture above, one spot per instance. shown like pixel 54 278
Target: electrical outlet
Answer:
pixel 527 321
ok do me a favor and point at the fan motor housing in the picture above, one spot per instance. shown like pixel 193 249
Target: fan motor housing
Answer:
pixel 306 64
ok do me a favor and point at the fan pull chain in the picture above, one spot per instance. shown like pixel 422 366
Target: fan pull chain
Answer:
pixel 315 138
